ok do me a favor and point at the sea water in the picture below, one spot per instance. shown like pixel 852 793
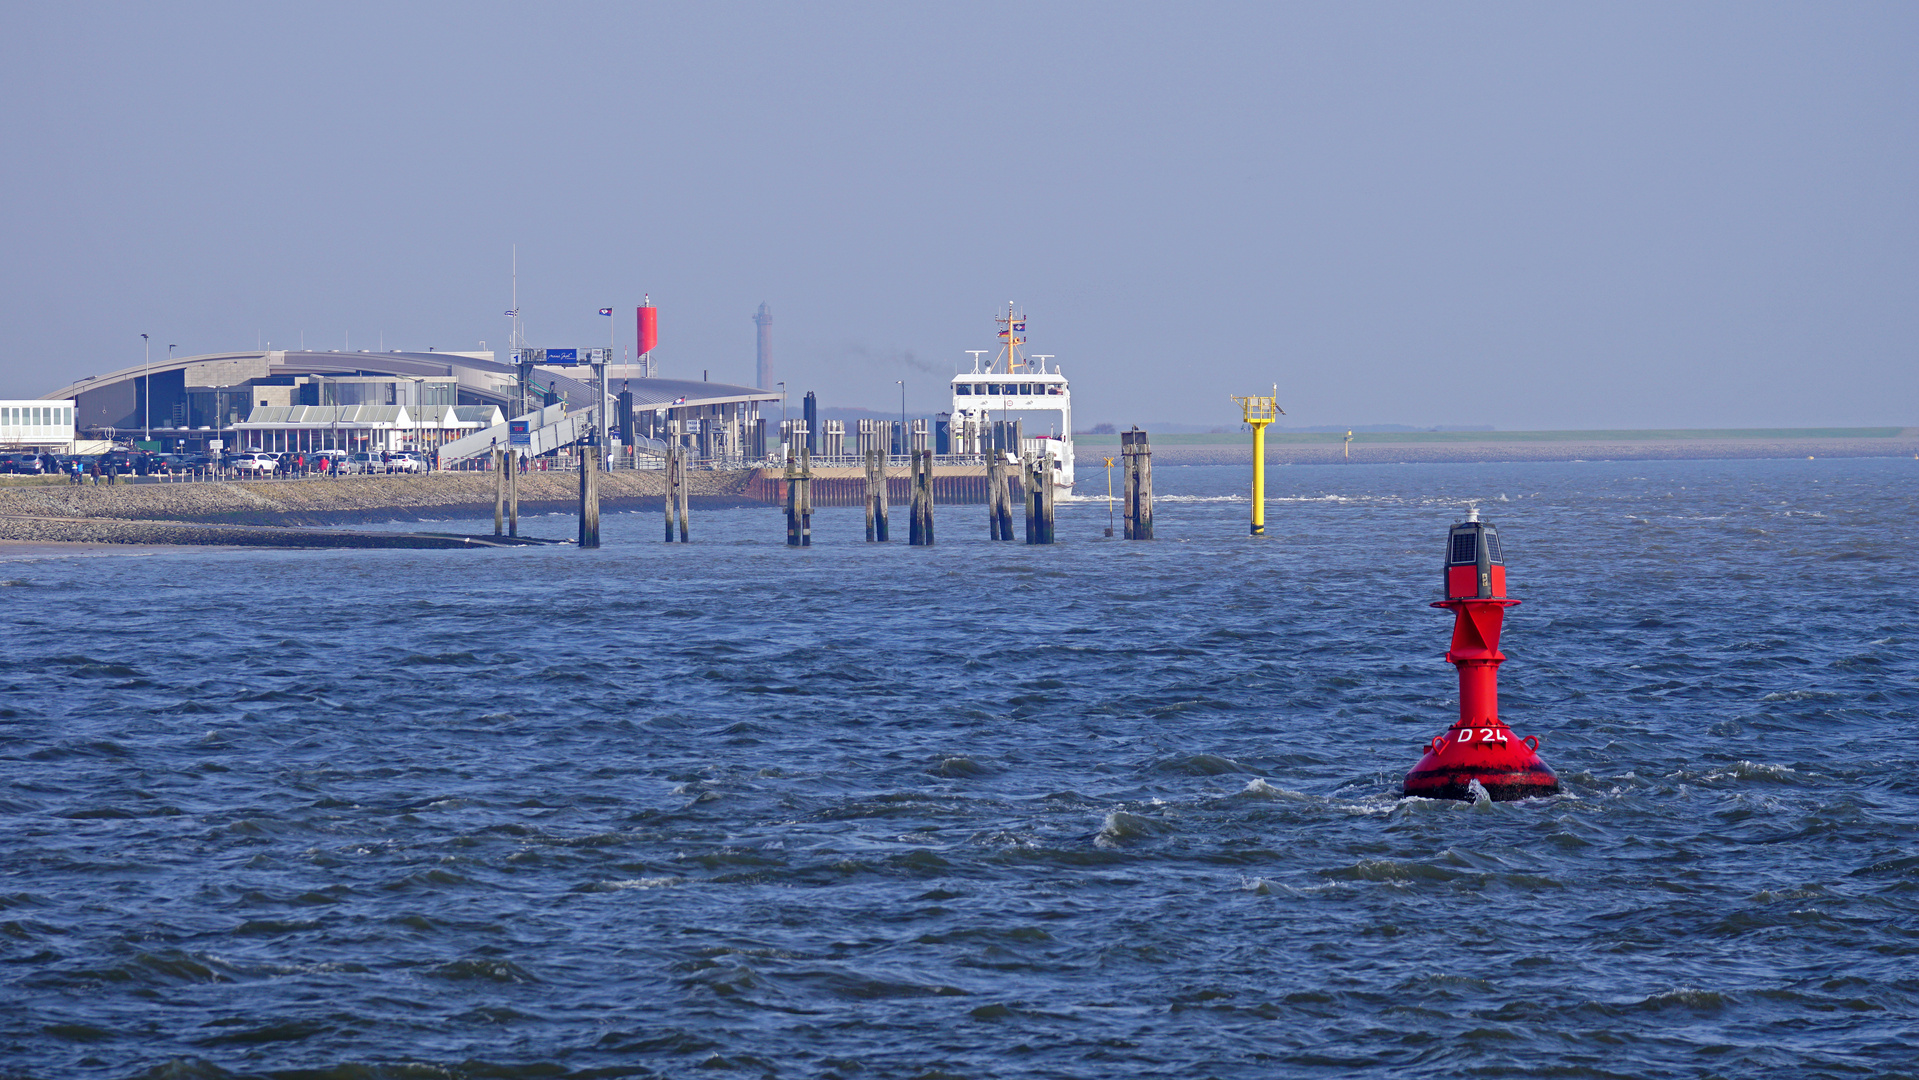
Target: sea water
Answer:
pixel 982 810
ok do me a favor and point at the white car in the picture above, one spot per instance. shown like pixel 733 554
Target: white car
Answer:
pixel 406 461
pixel 254 463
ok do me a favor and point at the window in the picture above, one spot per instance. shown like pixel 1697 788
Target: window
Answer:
pixel 963 388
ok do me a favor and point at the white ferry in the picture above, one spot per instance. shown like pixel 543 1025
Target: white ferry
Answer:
pixel 1015 388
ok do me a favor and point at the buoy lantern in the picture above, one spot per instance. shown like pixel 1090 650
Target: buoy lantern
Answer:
pixel 1479 746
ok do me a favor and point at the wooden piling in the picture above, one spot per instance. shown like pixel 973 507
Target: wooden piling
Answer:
pixel 882 499
pixel 589 497
pixel 792 479
pixel 875 482
pixel 499 494
pixel 1026 493
pixel 1043 479
pixel 1136 454
pixel 512 492
pixel 806 496
pixel 928 453
pixel 680 489
pixel 920 526
pixel 999 497
pixel 672 495
pixel 1036 477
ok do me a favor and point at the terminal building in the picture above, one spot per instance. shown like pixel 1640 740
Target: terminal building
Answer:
pixel 289 400
pixel 40 426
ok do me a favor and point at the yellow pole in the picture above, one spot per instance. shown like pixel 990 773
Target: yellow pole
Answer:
pixel 1258 412
pixel 1259 478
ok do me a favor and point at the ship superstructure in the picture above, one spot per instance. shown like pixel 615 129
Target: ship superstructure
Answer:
pixel 1015 393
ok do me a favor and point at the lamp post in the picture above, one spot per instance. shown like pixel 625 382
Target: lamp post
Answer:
pixel 146 379
pixel 782 419
pixel 902 383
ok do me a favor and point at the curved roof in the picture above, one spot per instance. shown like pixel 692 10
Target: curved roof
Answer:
pixel 479 375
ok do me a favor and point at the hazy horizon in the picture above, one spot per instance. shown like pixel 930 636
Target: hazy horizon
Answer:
pixel 1628 216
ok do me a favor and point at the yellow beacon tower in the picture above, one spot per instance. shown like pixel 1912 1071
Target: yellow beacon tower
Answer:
pixel 1260 411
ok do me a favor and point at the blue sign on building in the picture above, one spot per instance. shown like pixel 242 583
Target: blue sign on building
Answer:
pixel 562 356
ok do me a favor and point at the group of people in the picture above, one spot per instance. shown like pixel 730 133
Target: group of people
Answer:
pixel 93 472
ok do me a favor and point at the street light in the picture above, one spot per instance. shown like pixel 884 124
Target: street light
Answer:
pixel 782 419
pixel 902 383
pixel 146 363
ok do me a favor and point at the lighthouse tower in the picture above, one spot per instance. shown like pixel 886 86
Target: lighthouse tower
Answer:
pixel 763 369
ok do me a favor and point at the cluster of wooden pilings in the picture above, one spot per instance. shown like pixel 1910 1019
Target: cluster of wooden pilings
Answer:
pixel 1036 483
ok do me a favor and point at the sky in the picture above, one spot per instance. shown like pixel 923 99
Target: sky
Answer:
pixel 1533 216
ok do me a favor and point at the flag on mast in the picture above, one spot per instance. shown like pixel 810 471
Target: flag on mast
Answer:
pixel 606 311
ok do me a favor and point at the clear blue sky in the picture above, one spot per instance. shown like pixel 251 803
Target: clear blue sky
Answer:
pixel 1527 215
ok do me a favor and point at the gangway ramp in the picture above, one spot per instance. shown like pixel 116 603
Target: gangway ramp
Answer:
pixel 548 429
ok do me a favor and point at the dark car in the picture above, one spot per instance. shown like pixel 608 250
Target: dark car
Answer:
pixel 23 464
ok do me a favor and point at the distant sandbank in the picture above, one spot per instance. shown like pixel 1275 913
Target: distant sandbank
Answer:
pixel 1317 448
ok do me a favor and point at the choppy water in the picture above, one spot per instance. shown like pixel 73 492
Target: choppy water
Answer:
pixel 1098 810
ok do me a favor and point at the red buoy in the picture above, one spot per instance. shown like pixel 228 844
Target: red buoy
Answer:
pixel 1479 746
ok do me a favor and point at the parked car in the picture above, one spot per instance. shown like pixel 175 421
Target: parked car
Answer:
pixel 406 461
pixel 364 463
pixel 23 464
pixel 259 464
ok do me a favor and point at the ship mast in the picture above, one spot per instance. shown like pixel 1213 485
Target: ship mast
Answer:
pixel 1010 329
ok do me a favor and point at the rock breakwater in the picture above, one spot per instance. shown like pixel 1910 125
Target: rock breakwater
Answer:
pixel 283 513
pixel 314 501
